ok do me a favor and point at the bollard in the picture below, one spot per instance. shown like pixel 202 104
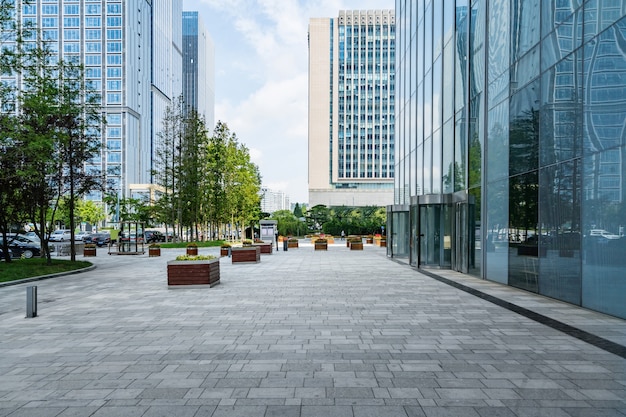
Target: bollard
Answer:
pixel 285 244
pixel 229 251
pixel 31 301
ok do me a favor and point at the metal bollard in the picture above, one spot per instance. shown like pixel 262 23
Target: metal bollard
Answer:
pixel 31 301
pixel 229 251
pixel 285 245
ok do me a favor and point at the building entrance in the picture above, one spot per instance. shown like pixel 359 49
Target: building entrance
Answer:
pixel 442 234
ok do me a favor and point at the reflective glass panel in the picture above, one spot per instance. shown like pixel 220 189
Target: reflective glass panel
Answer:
pixel 497 232
pixel 524 130
pixel 498 143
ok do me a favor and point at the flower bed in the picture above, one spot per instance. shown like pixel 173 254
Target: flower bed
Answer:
pixel 193 272
pixel 246 254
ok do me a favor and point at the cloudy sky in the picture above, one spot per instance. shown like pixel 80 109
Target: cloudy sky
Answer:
pixel 261 63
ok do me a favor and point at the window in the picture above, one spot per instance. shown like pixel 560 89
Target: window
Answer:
pixel 49 9
pixel 114 47
pixel 50 35
pixel 114 34
pixel 93 9
pixel 93 47
pixel 50 22
pixel 114 21
pixel 114 98
pixel 114 132
pixel 71 34
pixel 114 59
pixel 93 60
pixel 93 72
pixel 114 145
pixel 71 22
pixel 114 119
pixel 114 85
pixel 114 157
pixel 93 34
pixel 29 9
pixel 114 8
pixel 71 47
pixel 114 72
pixel 93 22
pixel 71 9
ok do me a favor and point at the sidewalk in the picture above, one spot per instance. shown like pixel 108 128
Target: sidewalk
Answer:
pixel 302 333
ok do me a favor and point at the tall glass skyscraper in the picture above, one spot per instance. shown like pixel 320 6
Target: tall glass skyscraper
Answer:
pixel 511 155
pixel 351 108
pixel 132 56
pixel 198 68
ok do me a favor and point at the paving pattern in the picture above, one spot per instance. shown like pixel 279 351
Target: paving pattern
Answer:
pixel 303 333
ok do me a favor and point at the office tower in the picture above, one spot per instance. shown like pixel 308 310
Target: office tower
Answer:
pixel 130 50
pixel 198 68
pixel 511 154
pixel 272 200
pixel 351 109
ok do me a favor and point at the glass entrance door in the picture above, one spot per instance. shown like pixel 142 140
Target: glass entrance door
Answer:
pixel 430 235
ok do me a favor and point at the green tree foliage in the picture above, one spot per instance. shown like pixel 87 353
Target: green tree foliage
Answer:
pixel 350 220
pixel 55 119
pixel 207 181
pixel 288 223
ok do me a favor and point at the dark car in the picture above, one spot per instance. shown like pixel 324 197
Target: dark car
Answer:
pixel 2 254
pixel 100 239
pixel 154 236
pixel 21 249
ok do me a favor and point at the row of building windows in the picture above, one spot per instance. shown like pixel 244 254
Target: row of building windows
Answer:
pixel 72 9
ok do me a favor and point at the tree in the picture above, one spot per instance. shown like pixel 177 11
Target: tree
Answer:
pixel 90 212
pixel 297 211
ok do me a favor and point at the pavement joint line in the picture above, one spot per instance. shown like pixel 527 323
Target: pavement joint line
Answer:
pixel 597 341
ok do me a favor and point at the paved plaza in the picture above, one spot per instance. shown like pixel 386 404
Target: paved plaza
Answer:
pixel 303 333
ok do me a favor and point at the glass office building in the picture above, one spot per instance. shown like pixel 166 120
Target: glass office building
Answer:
pixel 511 144
pixel 198 80
pixel 130 50
pixel 351 108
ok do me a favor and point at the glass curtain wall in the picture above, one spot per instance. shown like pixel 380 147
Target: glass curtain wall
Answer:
pixel 526 118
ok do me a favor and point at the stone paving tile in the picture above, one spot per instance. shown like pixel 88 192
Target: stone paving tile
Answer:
pixel 298 334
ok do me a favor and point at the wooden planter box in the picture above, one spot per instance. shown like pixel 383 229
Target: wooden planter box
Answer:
pixel 192 251
pixel 321 245
pixel 356 245
pixel 89 252
pixel 266 248
pixel 383 243
pixel 154 251
pixel 246 254
pixel 369 240
pixel 180 273
pixel 292 244
pixel 224 251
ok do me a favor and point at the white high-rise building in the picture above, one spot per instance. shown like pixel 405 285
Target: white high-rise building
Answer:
pixel 351 108
pixel 272 200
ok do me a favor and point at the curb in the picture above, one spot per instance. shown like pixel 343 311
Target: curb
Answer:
pixel 43 277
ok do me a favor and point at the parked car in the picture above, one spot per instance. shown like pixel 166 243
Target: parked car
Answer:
pixel 2 254
pixel 100 239
pixel 154 236
pixel 32 236
pixel 21 249
pixel 81 235
pixel 61 235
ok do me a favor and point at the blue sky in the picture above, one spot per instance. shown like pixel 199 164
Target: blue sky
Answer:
pixel 261 64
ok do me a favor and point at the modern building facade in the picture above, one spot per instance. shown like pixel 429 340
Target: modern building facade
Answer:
pixel 272 200
pixel 511 144
pixel 131 52
pixel 351 109
pixel 198 80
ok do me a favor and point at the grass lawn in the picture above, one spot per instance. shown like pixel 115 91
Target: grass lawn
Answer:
pixel 26 268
